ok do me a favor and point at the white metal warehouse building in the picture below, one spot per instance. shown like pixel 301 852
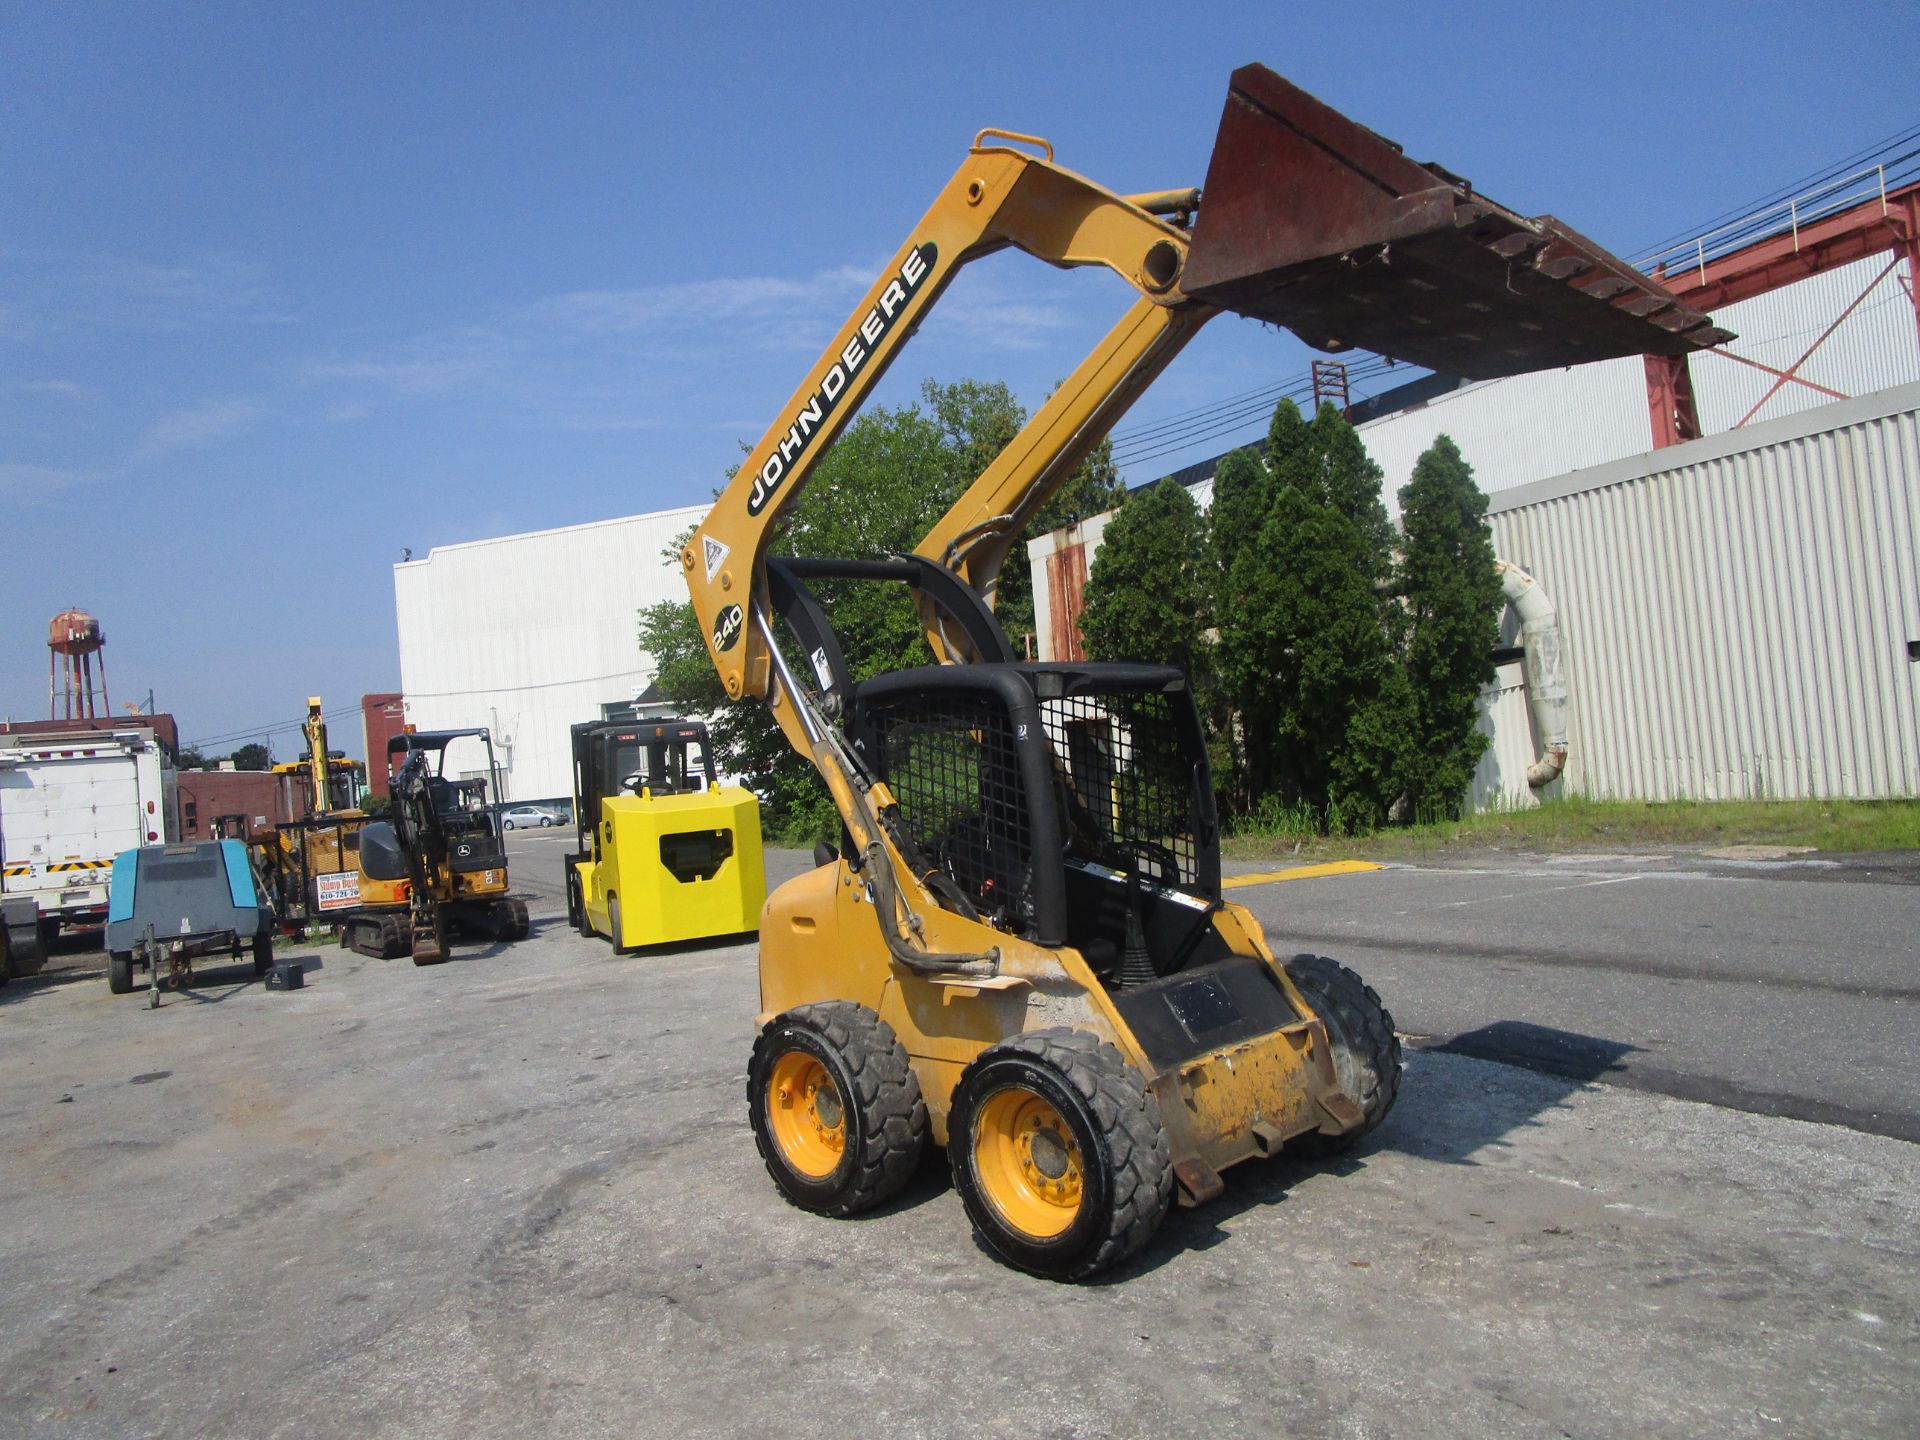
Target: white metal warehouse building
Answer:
pixel 529 634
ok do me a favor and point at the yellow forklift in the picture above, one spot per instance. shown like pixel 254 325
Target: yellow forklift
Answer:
pixel 667 853
pixel 1022 951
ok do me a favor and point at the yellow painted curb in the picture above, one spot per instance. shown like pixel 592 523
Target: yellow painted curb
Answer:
pixel 1300 872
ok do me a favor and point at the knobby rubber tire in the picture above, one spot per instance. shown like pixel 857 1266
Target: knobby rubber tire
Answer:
pixel 885 1116
pixel 1126 1161
pixel 119 971
pixel 1366 1051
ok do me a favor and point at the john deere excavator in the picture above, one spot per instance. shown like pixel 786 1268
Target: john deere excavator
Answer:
pixel 442 849
pixel 1021 951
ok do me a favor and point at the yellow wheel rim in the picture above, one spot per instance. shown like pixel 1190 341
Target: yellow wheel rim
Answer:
pixel 805 1113
pixel 1028 1165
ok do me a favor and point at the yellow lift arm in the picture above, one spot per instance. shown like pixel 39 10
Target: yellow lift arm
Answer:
pixel 1310 221
pixel 1000 196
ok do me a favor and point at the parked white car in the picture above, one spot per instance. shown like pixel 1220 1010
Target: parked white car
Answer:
pixel 522 817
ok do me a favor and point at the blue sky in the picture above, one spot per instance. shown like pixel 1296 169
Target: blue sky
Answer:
pixel 284 289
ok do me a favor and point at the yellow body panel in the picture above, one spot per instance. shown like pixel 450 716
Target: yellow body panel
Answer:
pixel 820 940
pixel 657 906
pixel 478 884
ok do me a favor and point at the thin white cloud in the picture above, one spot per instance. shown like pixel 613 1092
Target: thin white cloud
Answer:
pixel 192 429
pixel 58 389
pixel 758 298
pixel 34 484
pixel 58 293
pixel 428 364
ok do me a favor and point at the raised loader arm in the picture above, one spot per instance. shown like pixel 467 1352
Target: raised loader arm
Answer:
pixel 1309 220
pixel 1000 196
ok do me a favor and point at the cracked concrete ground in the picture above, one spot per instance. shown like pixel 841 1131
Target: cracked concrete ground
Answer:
pixel 516 1194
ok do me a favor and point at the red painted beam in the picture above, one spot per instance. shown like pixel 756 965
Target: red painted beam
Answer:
pixel 1868 229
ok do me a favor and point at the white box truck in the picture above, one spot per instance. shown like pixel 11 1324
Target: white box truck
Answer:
pixel 69 802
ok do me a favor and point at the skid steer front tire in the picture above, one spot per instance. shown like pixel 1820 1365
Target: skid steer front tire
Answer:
pixel 835 1107
pixel 1059 1153
pixel 1366 1051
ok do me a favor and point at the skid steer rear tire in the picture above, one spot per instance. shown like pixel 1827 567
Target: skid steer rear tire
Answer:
pixel 835 1107
pixel 1366 1051
pixel 1059 1153
pixel 119 971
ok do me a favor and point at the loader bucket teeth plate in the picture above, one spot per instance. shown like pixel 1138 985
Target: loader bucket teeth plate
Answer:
pixel 1313 222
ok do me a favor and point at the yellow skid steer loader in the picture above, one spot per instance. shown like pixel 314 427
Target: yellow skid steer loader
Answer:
pixel 1021 952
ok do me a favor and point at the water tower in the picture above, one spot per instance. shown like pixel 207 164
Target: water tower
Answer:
pixel 74 639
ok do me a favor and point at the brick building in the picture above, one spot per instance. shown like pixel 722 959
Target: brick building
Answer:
pixel 383 716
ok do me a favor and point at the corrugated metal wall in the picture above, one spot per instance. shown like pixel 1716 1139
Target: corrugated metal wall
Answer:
pixel 1874 348
pixel 1500 780
pixel 1736 612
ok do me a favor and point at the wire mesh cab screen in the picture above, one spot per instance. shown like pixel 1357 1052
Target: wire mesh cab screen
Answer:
pixel 1127 782
pixel 1005 773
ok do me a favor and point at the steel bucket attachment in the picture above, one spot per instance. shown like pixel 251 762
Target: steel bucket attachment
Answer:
pixel 1315 223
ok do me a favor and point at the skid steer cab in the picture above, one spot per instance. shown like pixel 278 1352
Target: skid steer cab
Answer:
pixel 667 853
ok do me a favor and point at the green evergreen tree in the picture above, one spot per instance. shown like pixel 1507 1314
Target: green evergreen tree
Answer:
pixel 1323 708
pixel 1452 602
pixel 1242 494
pixel 1146 591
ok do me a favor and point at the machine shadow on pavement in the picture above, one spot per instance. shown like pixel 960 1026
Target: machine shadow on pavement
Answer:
pixel 687 947
pixel 1430 1121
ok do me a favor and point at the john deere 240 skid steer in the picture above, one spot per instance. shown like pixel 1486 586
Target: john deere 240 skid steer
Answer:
pixel 1022 952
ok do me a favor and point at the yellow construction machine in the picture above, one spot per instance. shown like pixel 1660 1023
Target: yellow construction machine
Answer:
pixel 441 854
pixel 667 853
pixel 312 860
pixel 1021 951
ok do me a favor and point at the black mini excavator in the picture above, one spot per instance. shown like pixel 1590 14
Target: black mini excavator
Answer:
pixel 444 842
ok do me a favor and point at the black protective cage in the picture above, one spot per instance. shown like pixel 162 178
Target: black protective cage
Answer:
pixel 612 757
pixel 1070 803
pixel 1010 776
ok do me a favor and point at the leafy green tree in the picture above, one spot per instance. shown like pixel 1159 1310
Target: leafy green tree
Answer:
pixel 1323 708
pixel 874 493
pixel 1146 592
pixel 252 757
pixel 1242 495
pixel 190 758
pixel 976 420
pixel 1451 621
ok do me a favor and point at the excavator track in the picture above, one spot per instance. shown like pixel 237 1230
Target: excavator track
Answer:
pixel 383 937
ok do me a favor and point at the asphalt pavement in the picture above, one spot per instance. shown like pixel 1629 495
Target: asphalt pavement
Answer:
pixel 1787 987
pixel 516 1194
